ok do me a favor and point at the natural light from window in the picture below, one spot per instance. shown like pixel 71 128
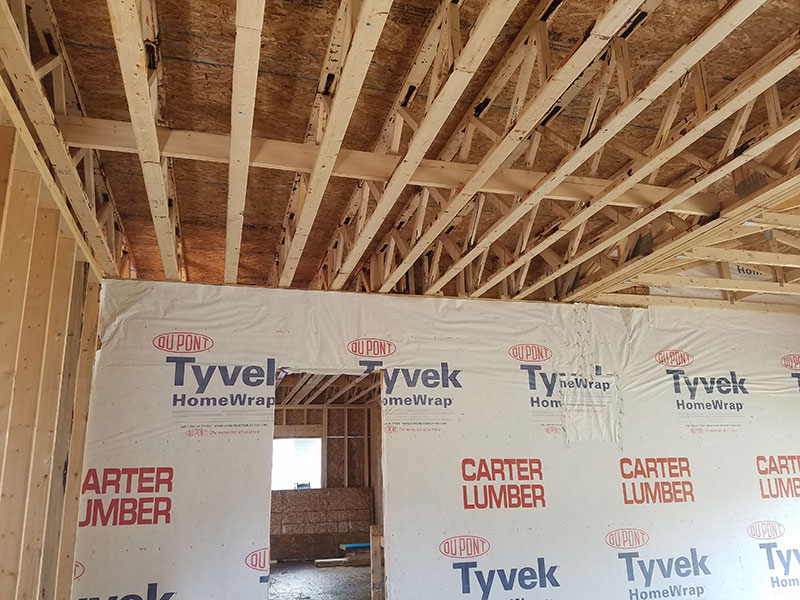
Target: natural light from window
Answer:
pixel 296 463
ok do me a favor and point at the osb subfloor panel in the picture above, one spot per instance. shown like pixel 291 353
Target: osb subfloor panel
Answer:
pixel 197 43
pixel 304 581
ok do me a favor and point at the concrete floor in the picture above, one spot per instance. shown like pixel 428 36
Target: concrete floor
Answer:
pixel 304 581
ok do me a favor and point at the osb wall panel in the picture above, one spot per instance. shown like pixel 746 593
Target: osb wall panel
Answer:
pixel 336 462
pixel 308 524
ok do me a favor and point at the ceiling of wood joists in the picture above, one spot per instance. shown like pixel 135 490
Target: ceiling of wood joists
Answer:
pixel 196 42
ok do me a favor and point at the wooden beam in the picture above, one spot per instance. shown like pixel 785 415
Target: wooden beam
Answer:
pixel 67 97
pixel 536 112
pixel 117 136
pixel 365 392
pixel 23 403
pixel 786 239
pixel 682 302
pixel 668 74
pixel 47 417
pixel 47 64
pixel 63 430
pixel 772 67
pixel 745 257
pixel 72 488
pixel 300 395
pixel 537 109
pixel 371 19
pixel 15 59
pixel 16 240
pixel 377 584
pixel 487 27
pixel 246 58
pixel 346 389
pixel 297 387
pixel 298 431
pixel 773 194
pixel 326 385
pixel 717 283
pixel 127 26
pixel 778 220
pixel 355 212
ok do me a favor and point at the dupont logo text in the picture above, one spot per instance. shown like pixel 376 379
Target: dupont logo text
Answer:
pixel 627 538
pixel 464 546
pixel 258 560
pixel 183 342
pixel 674 358
pixel 78 571
pixel 765 530
pixel 371 347
pixel 791 362
pixel 530 353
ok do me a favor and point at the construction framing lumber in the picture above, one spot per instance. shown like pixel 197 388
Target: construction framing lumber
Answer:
pixel 775 65
pixel 668 74
pixel 717 283
pixel 128 30
pixel 72 485
pixel 355 212
pixel 246 58
pixel 117 136
pixel 17 62
pixel 47 417
pixel 24 143
pixel 368 28
pixel 530 46
pixel 486 29
pixel 745 257
pixel 532 115
pixel 746 208
pixel 18 447
pixel 771 195
pixel 684 302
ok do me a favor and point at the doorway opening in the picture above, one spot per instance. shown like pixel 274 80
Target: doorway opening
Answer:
pixel 326 511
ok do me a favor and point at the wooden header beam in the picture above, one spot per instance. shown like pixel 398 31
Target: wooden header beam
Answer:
pixel 117 136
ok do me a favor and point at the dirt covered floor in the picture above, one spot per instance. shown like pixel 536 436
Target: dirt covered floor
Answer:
pixel 304 581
